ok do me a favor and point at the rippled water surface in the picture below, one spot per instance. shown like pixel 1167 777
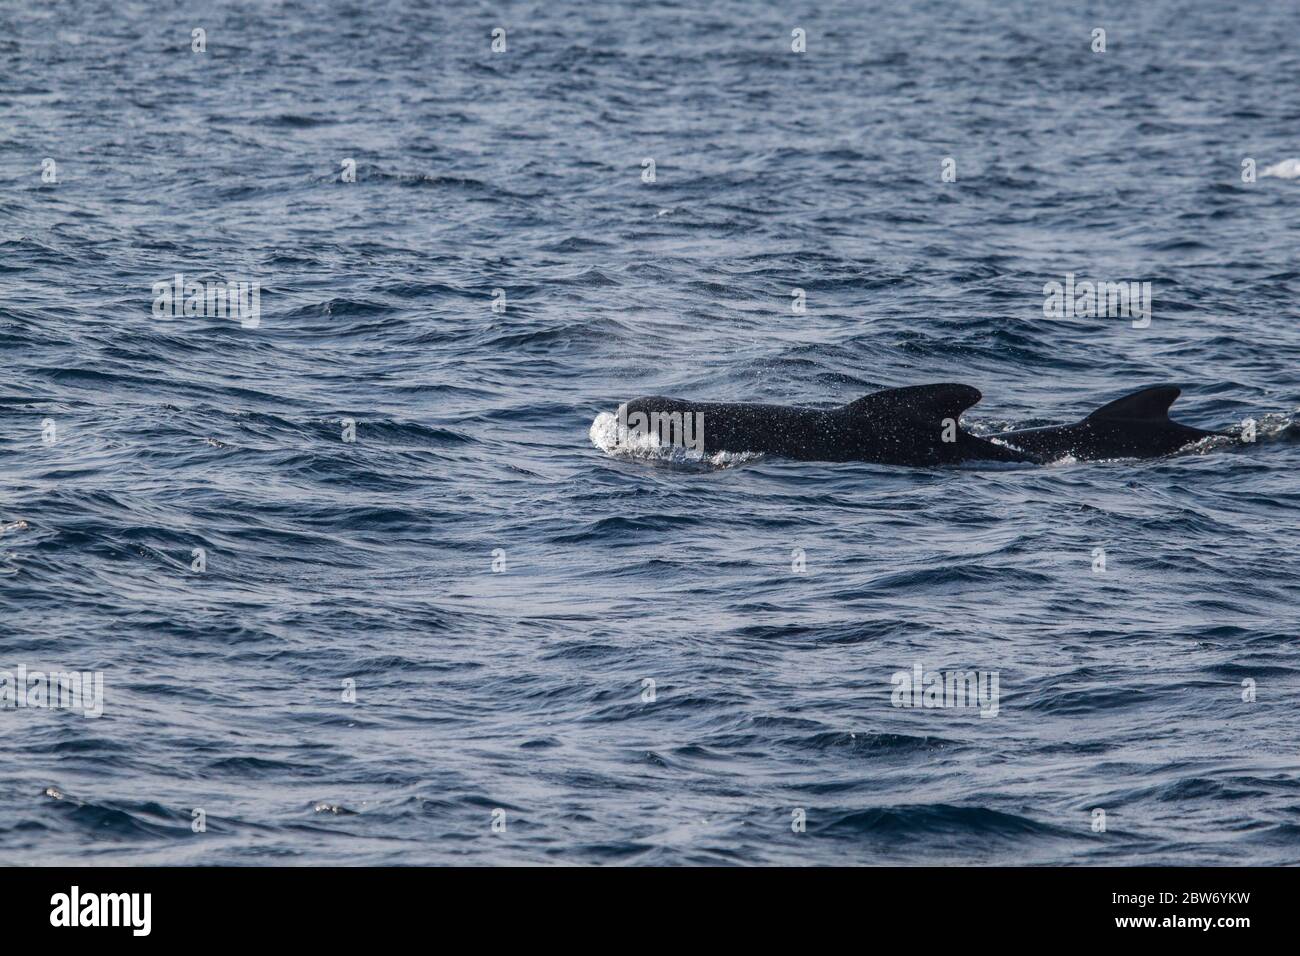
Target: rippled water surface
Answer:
pixel 677 662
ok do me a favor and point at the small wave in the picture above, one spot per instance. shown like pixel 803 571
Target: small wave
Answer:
pixel 294 121
pixel 941 820
pixel 337 809
pixel 119 820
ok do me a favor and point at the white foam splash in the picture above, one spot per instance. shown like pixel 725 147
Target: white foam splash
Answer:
pixel 1287 169
pixel 645 446
pixel 1271 425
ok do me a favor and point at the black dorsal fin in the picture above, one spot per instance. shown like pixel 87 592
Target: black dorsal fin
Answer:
pixel 1149 405
pixel 926 402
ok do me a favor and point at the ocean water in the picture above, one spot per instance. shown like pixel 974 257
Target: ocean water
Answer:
pixel 306 654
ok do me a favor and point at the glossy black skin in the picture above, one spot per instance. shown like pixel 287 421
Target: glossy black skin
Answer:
pixel 1136 425
pixel 1091 440
pixel 903 426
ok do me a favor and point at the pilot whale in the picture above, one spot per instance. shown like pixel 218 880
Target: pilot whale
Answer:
pixel 1135 426
pixel 915 425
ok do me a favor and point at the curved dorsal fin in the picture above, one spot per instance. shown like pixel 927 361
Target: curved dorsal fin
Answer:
pixel 1150 404
pixel 926 402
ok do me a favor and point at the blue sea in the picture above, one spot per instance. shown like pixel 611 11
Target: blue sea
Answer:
pixel 362 584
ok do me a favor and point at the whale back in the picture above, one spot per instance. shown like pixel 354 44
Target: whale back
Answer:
pixel 1134 426
pixel 917 424
pixel 924 403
